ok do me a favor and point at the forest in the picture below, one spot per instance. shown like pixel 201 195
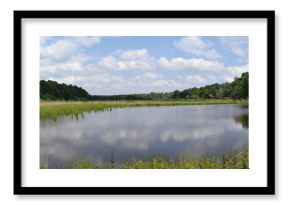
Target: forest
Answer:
pixel 51 90
pixel 238 89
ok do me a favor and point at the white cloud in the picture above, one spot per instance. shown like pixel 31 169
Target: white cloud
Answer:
pixel 194 63
pixel 238 70
pixel 140 54
pixel 124 65
pixel 57 51
pixel 212 54
pixel 198 47
pixel 108 62
pixel 151 80
pixel 86 40
pixel 164 83
pixel 147 76
pixel 111 62
pixel 237 44
pixel 129 60
pixel 62 56
pixel 63 59
pixel 67 79
pixel 235 71
pixel 104 78
pixel 73 64
pixel 196 79
pixel 91 82
pixel 64 48
pixel 146 82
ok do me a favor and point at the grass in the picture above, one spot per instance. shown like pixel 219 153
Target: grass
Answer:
pixel 229 160
pixel 54 109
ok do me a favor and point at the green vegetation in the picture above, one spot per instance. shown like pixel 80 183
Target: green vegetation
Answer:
pixel 73 100
pixel 229 160
pixel 51 90
pixel 54 109
pixel 238 89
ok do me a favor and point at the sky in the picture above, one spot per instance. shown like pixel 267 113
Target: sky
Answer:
pixel 111 65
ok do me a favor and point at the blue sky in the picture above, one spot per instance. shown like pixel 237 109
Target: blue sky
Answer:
pixel 142 64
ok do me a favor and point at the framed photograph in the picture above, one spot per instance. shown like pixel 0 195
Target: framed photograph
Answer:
pixel 144 102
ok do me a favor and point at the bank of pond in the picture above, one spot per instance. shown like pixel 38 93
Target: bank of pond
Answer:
pixel 54 109
pixel 229 160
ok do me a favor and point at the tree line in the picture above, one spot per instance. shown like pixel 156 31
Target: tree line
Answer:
pixel 51 90
pixel 238 89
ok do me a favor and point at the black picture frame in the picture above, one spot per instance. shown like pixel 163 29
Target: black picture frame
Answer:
pixel 19 189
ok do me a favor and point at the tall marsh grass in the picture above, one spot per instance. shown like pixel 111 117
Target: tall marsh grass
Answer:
pixel 54 109
pixel 229 160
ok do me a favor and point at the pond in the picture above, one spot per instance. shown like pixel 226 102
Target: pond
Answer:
pixel 144 132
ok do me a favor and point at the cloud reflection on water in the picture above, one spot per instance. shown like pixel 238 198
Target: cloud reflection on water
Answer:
pixel 144 132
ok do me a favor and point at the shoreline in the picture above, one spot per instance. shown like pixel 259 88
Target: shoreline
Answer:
pixel 54 109
pixel 229 160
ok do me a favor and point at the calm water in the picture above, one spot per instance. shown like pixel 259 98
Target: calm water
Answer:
pixel 144 132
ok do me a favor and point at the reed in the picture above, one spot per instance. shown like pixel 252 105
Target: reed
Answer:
pixel 54 109
pixel 229 160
